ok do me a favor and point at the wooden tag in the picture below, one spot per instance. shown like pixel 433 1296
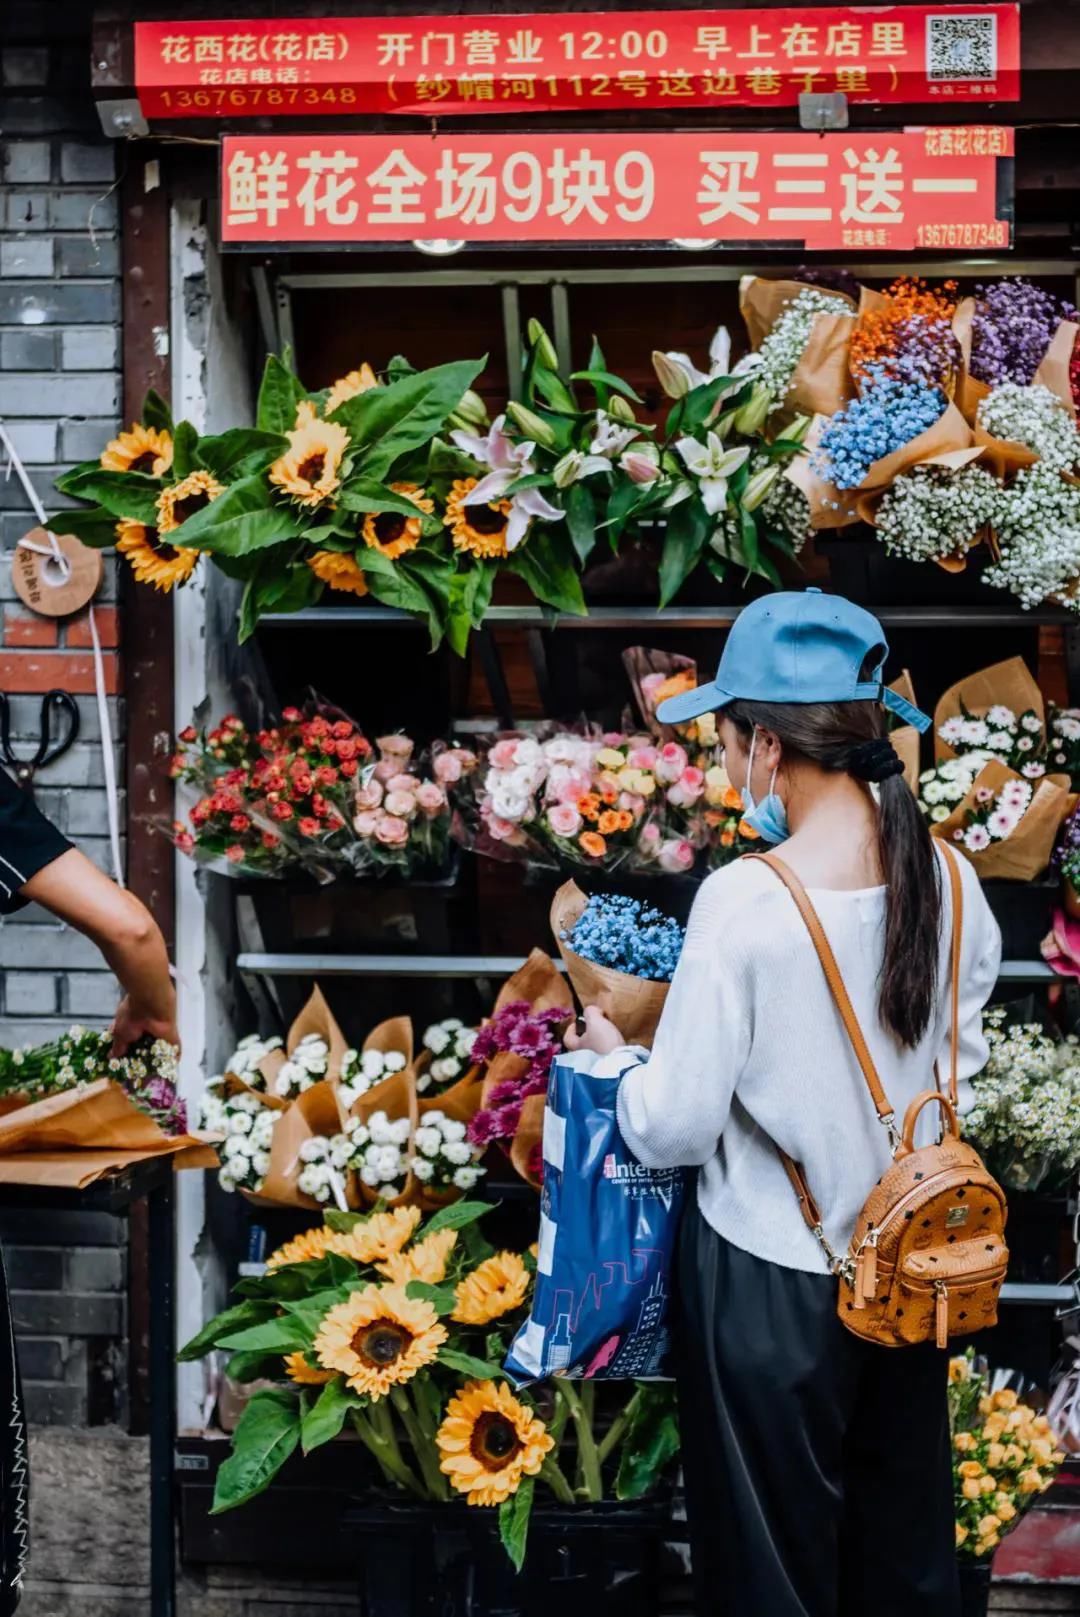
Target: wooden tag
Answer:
pixel 39 581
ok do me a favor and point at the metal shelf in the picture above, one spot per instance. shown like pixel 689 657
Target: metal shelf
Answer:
pixel 1027 971
pixel 671 617
pixel 1020 1291
pixel 381 965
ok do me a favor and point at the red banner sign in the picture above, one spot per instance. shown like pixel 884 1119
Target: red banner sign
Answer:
pixel 565 61
pixel 938 188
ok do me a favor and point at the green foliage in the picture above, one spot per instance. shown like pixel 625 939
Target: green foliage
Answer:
pixel 132 495
pixel 243 519
pixel 323 1418
pixel 514 1516
pixel 279 395
pixel 253 1311
pixel 267 1433
pixel 652 1440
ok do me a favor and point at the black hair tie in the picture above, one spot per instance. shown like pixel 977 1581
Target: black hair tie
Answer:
pixel 874 761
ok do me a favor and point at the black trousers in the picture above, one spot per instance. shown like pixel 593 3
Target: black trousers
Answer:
pixel 818 1470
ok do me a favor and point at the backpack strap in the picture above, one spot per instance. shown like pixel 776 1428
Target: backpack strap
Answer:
pixel 839 993
pixel 956 892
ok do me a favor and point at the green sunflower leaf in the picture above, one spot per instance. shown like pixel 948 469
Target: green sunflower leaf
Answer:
pixel 651 1442
pixel 239 521
pixel 251 1312
pixel 254 1367
pixel 367 494
pixel 241 452
pixel 389 422
pixel 441 1298
pixel 156 413
pixel 456 1216
pixel 96 528
pixel 282 1335
pixel 322 1421
pixel 466 1365
pixel 279 394
pixel 514 1516
pixel 123 494
pixel 185 450
pixel 267 1433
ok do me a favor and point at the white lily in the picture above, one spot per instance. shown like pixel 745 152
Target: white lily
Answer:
pixel 575 465
pixel 719 359
pixel 508 460
pixel 526 504
pixel 712 465
pixel 609 438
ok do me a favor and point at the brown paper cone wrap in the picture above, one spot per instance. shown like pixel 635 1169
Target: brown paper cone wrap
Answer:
pixel 829 508
pixel 99 1118
pixel 1008 684
pixel 1003 456
pixel 540 982
pixel 638 661
pixel 634 1004
pixel 968 391
pixel 1026 854
pixel 905 738
pixel 530 1132
pixel 822 379
pixel 953 460
pixel 316 1111
pixel 316 1017
pixel 949 433
pixel 1053 371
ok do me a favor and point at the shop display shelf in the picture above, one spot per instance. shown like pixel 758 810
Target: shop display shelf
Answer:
pixel 333 964
pixel 1020 1291
pixel 716 616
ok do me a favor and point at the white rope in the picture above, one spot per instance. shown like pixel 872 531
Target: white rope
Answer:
pixel 56 555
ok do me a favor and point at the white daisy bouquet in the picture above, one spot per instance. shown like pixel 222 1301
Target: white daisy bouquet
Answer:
pixel 326 1162
pixel 1026 1116
pixel 361 1070
pixel 1016 739
pixel 443 1158
pixel 447 1047
pixel 1007 825
pixel 944 787
pixel 248 1126
pixel 1063 740
pixel 307 1063
pixel 994 815
pixel 378 1152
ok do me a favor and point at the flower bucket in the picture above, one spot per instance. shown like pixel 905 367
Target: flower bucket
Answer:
pixel 974 1588
pixel 1023 911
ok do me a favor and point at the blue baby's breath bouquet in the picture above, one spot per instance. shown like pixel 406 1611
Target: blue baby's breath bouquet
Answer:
pixel 619 954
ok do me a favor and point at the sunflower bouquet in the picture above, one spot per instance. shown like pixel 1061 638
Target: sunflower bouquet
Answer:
pixel 395 1331
pixel 1004 1457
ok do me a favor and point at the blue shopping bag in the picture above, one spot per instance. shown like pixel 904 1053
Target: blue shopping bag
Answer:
pixel 602 1299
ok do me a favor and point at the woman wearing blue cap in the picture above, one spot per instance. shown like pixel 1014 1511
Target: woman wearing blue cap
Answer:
pixel 817 1463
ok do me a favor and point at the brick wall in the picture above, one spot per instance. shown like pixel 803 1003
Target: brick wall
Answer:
pixel 59 396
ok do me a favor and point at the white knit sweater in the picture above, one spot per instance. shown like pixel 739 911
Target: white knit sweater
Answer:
pixel 751 1052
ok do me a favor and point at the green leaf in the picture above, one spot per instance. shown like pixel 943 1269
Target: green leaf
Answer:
pixel 514 1514
pixel 122 494
pixel 341 1223
pixel 466 1365
pixel 410 585
pixel 448 461
pixel 327 1415
pixel 389 422
pixel 398 367
pixel 367 494
pixel 96 528
pixel 282 1335
pixel 687 531
pixel 468 601
pixel 456 1216
pixel 311 1311
pixel 624 500
pixel 442 1298
pixel 602 378
pixel 546 568
pixel 185 450
pixel 554 391
pixel 581 519
pixel 239 521
pixel 251 1312
pixel 241 452
pixel 294 1280
pixel 254 1367
pixel 279 394
pixel 156 413
pixel 651 1442
pixel 696 408
pixel 266 1434
pixel 749 534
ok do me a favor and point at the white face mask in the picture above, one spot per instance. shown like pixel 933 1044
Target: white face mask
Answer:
pixel 769 817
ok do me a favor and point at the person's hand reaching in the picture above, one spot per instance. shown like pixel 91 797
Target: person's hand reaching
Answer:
pixel 600 1035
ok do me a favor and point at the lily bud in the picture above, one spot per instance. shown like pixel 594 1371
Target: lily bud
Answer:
pixel 542 343
pixel 639 467
pixel 568 470
pixel 758 486
pixel 620 409
pixel 797 430
pixel 750 417
pixel 723 424
pixel 672 378
pixel 528 422
pixel 472 409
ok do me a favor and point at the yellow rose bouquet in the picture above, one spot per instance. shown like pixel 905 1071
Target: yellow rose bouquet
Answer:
pixel 1004 1457
pixel 393 1330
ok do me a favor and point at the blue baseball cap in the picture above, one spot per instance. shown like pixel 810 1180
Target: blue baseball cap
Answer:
pixel 797 646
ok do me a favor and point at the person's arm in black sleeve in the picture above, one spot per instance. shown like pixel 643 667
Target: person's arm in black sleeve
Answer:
pixel 38 864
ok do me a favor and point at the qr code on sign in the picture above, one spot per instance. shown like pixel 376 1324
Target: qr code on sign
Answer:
pixel 961 47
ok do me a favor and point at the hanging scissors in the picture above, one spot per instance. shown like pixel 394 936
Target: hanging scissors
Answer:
pixel 48 749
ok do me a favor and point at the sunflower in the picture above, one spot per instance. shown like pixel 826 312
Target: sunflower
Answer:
pixel 379 1338
pixel 151 561
pixel 309 469
pixel 181 500
pixel 339 571
pixel 480 529
pixel 391 531
pixel 426 1260
pixel 303 1248
pixel 495 1287
pixel 489 1441
pixel 143 449
pixel 378 1237
pixel 347 387
pixel 299 1370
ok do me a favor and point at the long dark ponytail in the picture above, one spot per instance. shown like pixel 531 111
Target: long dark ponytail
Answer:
pixel 827 734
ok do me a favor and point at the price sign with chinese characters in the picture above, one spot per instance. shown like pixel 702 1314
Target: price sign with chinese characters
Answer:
pixel 943 188
pixel 564 61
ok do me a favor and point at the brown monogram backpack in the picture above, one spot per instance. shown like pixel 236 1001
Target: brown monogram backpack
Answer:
pixel 928 1255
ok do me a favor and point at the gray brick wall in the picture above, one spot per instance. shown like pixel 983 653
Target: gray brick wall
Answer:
pixel 59 396
pixel 60 399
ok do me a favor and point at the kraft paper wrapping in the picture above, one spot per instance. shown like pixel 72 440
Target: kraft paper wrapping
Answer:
pixel 953 460
pixel 639 661
pixel 634 1004
pixel 949 433
pixel 316 1017
pixel 968 391
pixel 1026 854
pixel 822 378
pixel 71 1139
pixel 829 508
pixel 1003 456
pixel 316 1111
pixel 1008 684
pixel 1053 371
pixel 543 985
pixel 905 738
